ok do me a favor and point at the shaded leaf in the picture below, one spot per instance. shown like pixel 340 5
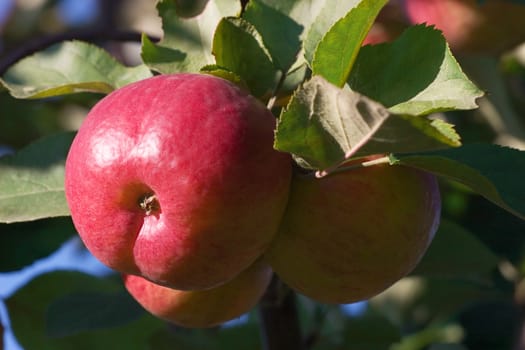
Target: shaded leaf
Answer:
pixel 83 311
pixel 238 47
pixel 28 312
pixel 405 133
pixel 21 244
pixel 69 67
pixel 324 125
pixel 493 171
pixel 187 42
pixel 416 74
pixel 337 51
pixel 280 33
pixel 457 253
pixel 32 180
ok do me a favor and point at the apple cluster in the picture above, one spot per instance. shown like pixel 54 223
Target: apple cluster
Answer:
pixel 173 181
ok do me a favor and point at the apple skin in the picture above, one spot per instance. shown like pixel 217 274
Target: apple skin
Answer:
pixel 204 149
pixel 203 308
pixel 350 235
pixel 488 27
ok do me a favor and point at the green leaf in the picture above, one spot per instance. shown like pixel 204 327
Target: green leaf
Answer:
pixel 493 171
pixel 29 307
pixel 457 253
pixel 337 51
pixel 416 74
pixel 280 33
pixel 21 244
pixel 69 67
pixel 328 15
pixel 187 42
pixel 324 125
pixel 83 311
pixel 32 180
pixel 238 47
pixel 405 133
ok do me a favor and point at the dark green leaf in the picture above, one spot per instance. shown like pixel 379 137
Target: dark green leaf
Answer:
pixel 416 74
pixel 32 181
pixel 495 172
pixel 279 32
pixel 337 51
pixel 69 67
pixel 457 253
pixel 187 42
pixel 28 312
pixel 238 47
pixel 21 244
pixel 84 311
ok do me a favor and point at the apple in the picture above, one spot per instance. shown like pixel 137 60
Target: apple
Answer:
pixel 202 308
pixel 350 235
pixel 472 26
pixel 175 178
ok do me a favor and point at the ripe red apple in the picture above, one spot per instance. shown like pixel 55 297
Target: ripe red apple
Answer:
pixel 350 235
pixel 490 26
pixel 175 178
pixel 203 308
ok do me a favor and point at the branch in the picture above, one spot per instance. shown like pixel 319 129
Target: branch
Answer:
pixel 89 35
pixel 280 329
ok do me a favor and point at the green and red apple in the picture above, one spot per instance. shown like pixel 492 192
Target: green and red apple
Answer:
pixel 350 235
pixel 174 178
pixel 202 308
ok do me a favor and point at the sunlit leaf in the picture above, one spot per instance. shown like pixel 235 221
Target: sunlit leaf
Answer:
pixel 416 74
pixel 336 53
pixel 330 12
pixel 69 67
pixel 32 180
pixel 187 42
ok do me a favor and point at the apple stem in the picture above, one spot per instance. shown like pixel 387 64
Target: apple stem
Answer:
pixel 382 160
pixel 149 203
pixel 279 321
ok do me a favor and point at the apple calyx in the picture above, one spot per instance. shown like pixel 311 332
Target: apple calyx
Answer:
pixel 149 203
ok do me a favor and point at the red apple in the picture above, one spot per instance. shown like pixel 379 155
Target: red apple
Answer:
pixel 203 308
pixel 350 235
pixel 175 178
pixel 472 26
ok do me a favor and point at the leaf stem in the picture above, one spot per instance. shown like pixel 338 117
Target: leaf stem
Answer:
pixel 382 160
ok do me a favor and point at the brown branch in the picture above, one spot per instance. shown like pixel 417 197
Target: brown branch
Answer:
pixel 279 322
